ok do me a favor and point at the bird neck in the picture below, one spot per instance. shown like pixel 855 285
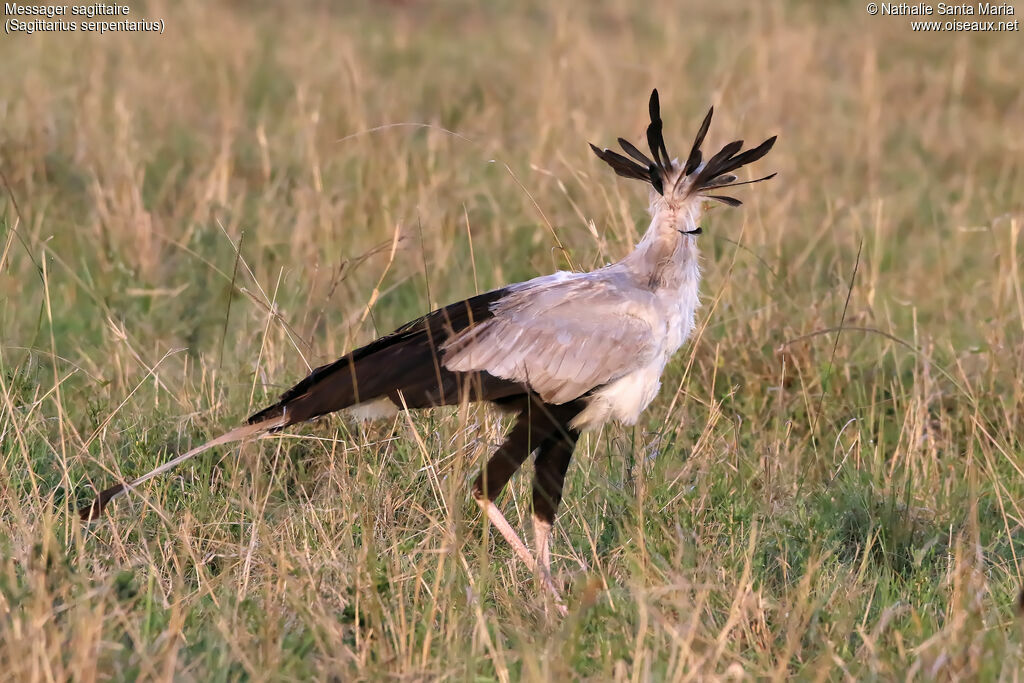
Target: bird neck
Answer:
pixel 666 259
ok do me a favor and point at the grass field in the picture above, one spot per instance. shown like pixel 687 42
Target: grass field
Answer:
pixel 190 221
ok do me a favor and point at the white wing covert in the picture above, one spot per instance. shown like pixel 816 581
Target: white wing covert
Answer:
pixel 560 338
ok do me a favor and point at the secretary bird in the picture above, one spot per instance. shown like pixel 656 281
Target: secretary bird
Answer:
pixel 564 352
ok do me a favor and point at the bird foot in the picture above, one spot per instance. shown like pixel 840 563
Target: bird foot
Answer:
pixel 549 585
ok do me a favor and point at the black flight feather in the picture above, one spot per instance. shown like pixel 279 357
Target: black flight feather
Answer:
pixel 406 361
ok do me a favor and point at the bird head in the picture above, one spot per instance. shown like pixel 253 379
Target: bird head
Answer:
pixel 679 191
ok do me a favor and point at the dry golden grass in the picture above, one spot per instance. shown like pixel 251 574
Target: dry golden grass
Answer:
pixel 203 215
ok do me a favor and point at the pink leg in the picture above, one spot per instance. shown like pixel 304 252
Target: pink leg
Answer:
pixel 505 529
pixel 542 539
pixel 508 533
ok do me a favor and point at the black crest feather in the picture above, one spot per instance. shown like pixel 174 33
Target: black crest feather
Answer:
pixel 745 182
pixel 693 161
pixel 642 167
pixel 727 160
pixel 632 151
pixel 721 180
pixel 716 173
pixel 711 169
pixel 731 201
pixel 620 164
pixel 655 139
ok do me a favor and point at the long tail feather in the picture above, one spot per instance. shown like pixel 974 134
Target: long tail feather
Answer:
pixel 95 509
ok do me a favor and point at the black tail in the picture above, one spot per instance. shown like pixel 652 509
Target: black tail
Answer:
pixel 404 366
